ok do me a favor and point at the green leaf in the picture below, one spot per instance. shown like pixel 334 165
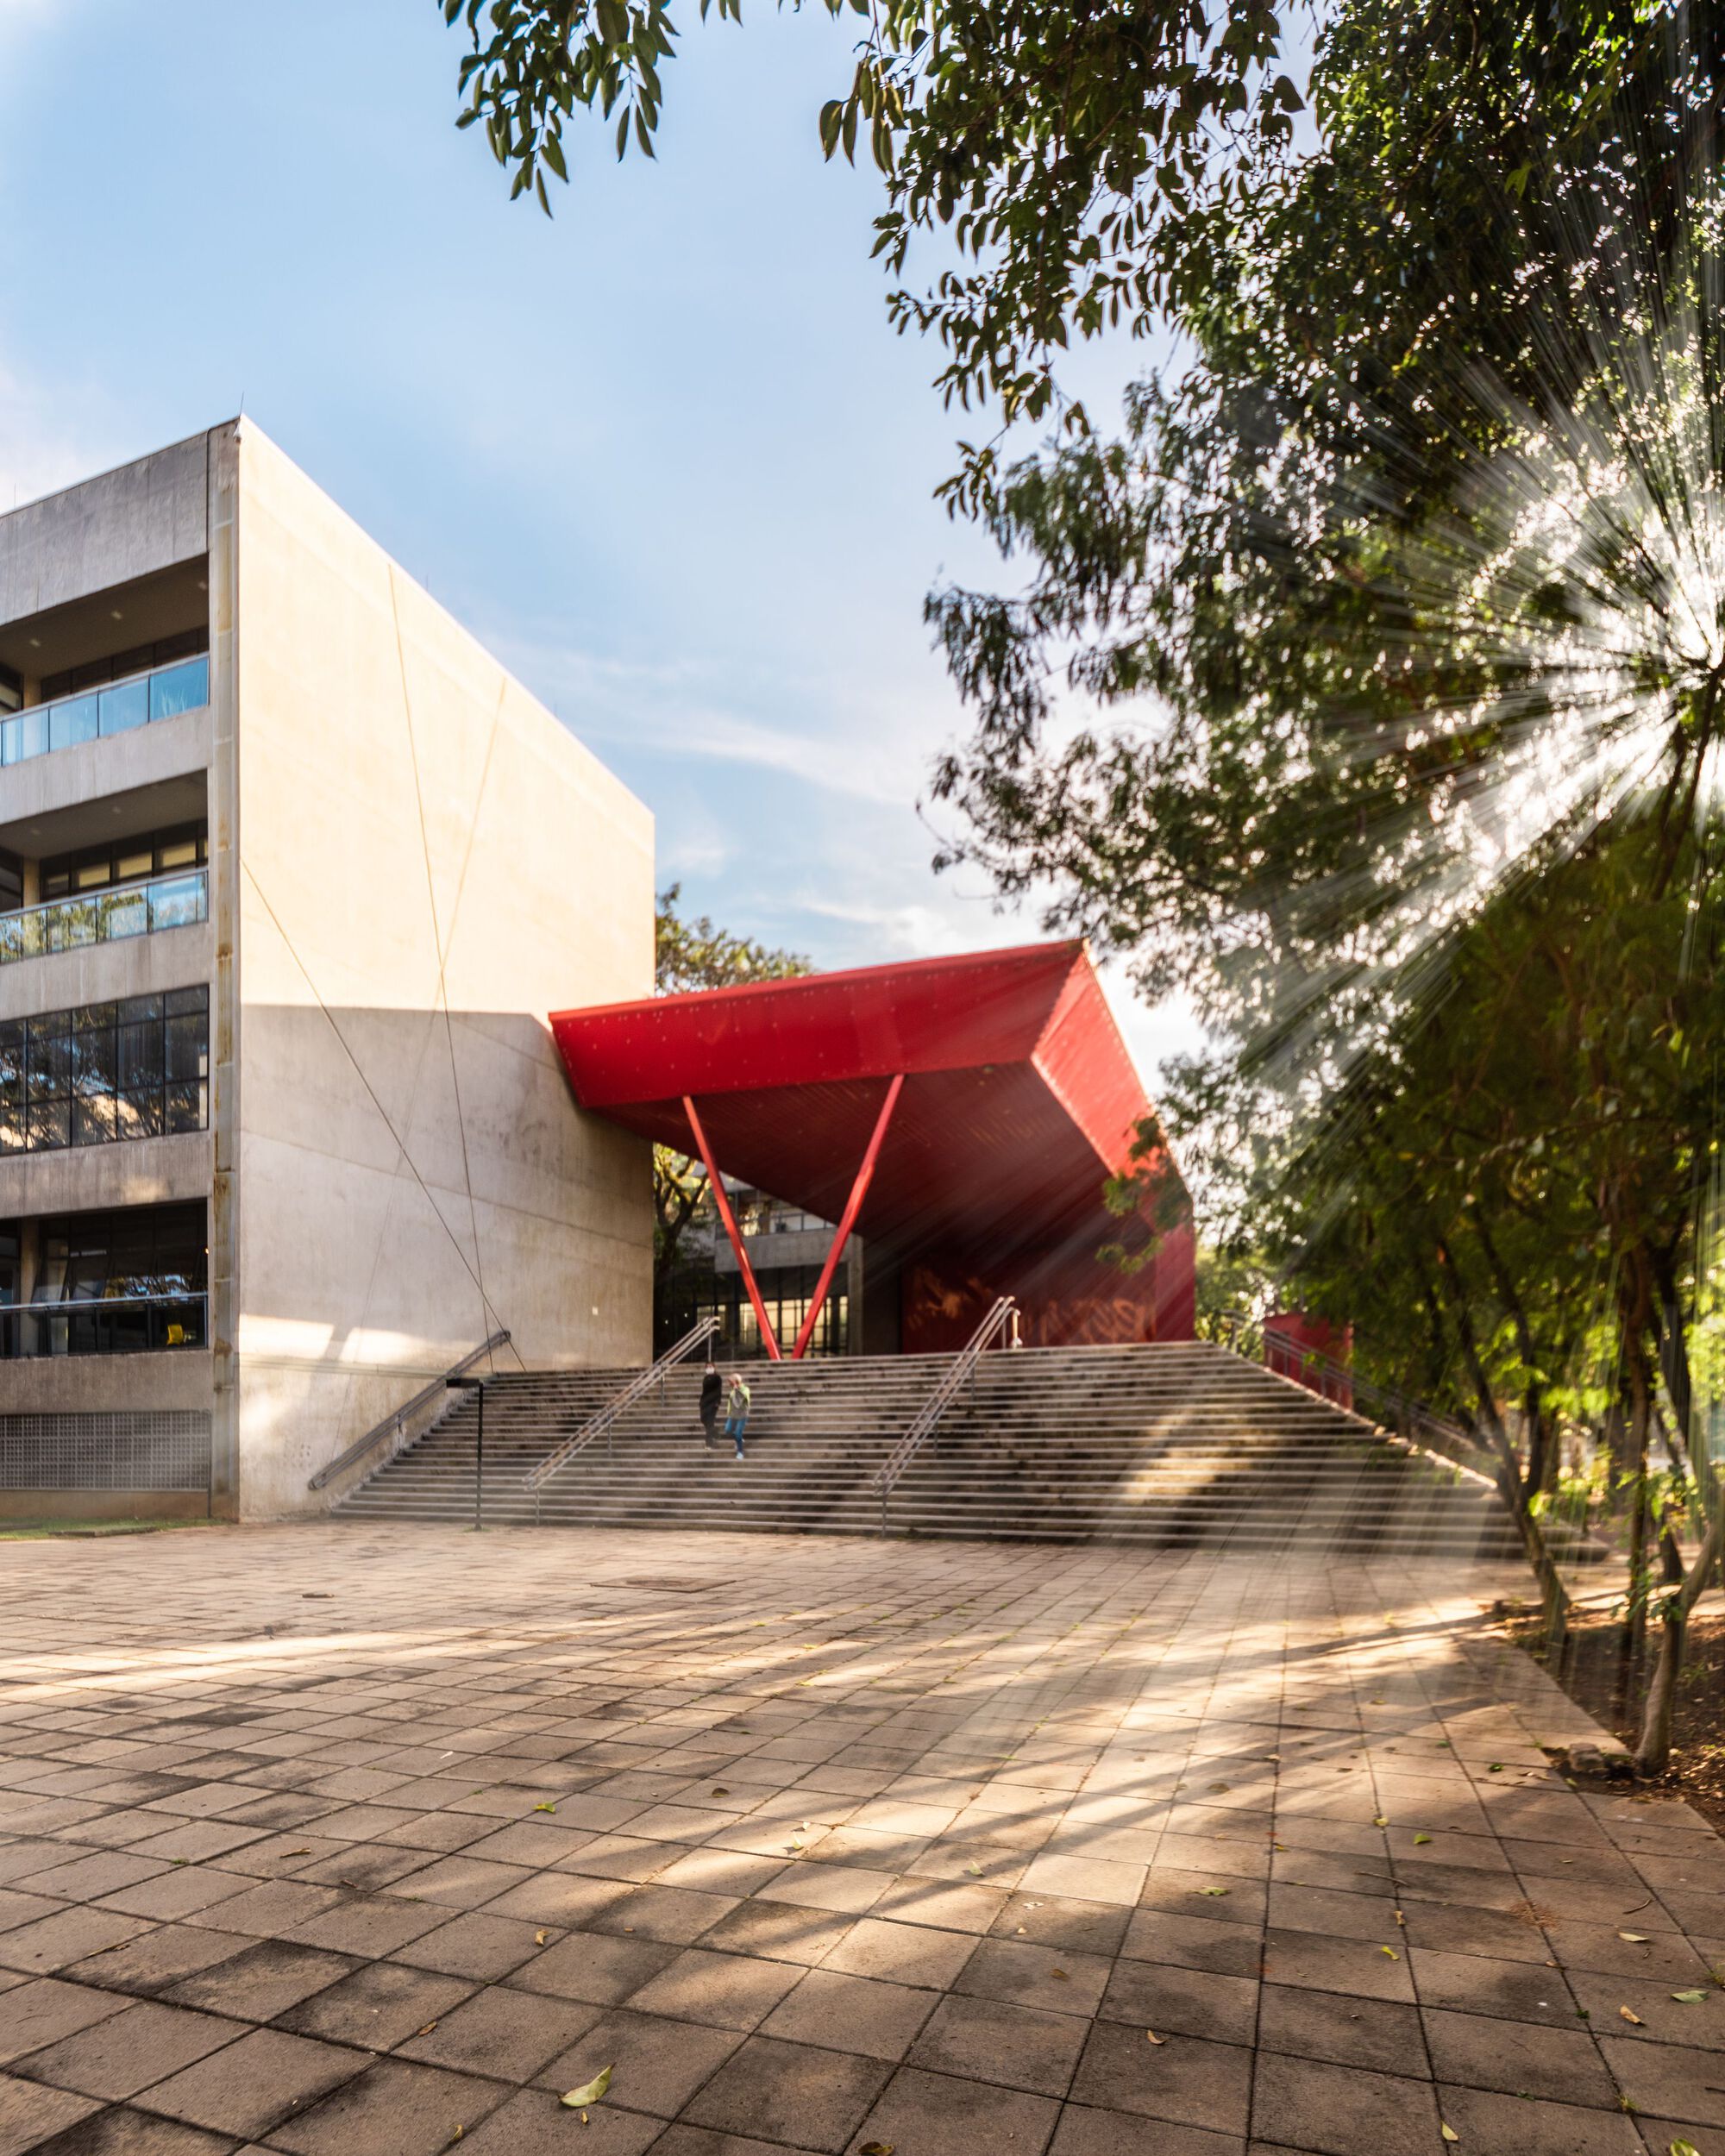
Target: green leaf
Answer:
pixel 1419 1838
pixel 590 2091
pixel 1683 2148
pixel 1214 1889
pixel 1690 1998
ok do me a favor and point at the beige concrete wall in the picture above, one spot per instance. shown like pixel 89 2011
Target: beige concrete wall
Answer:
pixel 126 524
pixel 429 862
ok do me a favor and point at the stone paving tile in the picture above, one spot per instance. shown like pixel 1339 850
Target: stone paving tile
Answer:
pixel 1085 2131
pixel 126 2051
pixel 505 2034
pixel 119 2131
pixel 781 2091
pixel 495 1823
pixel 261 1981
pixel 532 2122
pixel 392 2108
pixel 43 2011
pixel 658 2064
pixel 29 2113
pixel 251 2086
pixel 378 2006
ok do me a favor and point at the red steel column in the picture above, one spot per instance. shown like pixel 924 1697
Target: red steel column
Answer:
pixel 717 1182
pixel 859 1190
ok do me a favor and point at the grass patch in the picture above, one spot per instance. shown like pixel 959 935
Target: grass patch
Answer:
pixel 81 1530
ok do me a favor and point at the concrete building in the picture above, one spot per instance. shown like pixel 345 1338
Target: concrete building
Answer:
pixel 291 873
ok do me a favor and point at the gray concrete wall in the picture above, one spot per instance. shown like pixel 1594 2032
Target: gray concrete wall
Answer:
pixel 102 1384
pixel 42 786
pixel 126 524
pixel 103 972
pixel 428 863
pixel 139 1171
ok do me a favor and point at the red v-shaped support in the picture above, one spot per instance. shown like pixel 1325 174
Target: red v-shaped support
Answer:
pixel 716 1182
pixel 859 1190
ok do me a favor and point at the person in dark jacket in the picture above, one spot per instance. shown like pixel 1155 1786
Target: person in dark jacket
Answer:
pixel 713 1391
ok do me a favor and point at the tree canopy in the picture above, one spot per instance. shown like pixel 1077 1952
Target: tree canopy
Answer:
pixel 688 954
pixel 1369 683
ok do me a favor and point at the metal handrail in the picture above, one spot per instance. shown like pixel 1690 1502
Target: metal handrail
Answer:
pixel 599 1425
pixel 404 1414
pixel 964 1366
pixel 86 1309
pixel 1392 1410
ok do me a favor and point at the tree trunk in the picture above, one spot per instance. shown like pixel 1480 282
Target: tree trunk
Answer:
pixel 1554 1597
pixel 1653 1750
pixel 1640 1422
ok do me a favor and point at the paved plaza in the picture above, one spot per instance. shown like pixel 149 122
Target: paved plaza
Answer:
pixel 328 1839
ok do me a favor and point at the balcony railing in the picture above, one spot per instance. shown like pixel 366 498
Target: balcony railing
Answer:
pixel 113 1325
pixel 96 713
pixel 179 900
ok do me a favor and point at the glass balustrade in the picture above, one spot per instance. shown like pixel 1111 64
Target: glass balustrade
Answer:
pixel 42 729
pixel 106 916
pixel 110 1325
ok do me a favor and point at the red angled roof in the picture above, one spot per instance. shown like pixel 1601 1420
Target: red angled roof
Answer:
pixel 1020 1099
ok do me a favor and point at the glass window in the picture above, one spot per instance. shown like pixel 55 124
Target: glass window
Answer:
pixel 106 1071
pixel 134 860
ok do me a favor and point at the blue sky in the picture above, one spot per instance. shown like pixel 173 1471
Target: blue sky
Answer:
pixel 664 454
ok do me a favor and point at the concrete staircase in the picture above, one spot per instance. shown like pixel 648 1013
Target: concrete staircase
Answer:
pixel 1163 1447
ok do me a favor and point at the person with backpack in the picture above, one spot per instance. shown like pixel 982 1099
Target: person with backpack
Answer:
pixel 737 1405
pixel 712 1390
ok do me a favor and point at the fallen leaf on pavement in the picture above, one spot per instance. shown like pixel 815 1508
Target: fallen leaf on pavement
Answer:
pixel 1420 1838
pixel 540 1939
pixel 1690 1998
pixel 1635 1938
pixel 1447 2130
pixel 1214 1890
pixel 1151 2037
pixel 590 2091
pixel 544 1807
pixel 1391 1952
pixel 1628 2014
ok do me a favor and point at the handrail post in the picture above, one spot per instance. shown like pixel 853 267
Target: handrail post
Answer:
pixel 604 1420
pixel 395 1422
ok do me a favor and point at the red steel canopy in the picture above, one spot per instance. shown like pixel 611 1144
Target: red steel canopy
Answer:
pixel 1017 1101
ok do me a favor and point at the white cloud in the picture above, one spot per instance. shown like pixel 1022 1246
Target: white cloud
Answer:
pixel 47 441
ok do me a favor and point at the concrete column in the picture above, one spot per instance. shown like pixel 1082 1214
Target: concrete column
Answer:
pixel 224 998
pixel 855 1268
